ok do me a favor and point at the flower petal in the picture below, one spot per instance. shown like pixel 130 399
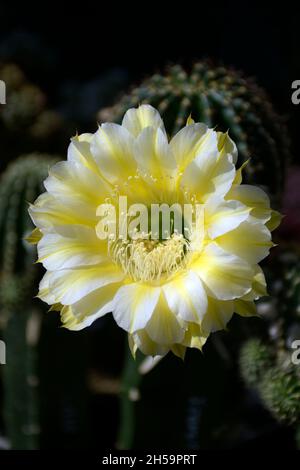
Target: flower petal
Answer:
pixel 112 149
pixel 47 213
pixel 224 216
pixel 79 151
pixel 188 141
pixel 226 275
pixel 163 326
pixel 209 175
pixel 245 308
pixel 70 285
pixel 274 221
pixel 134 305
pixel 141 340
pixel 136 119
pixel 194 336
pixel 227 146
pixel 68 180
pixel 186 297
pixel 253 197
pixel 84 312
pixel 153 154
pixel 259 285
pixel 218 315
pixel 74 245
pixel 44 292
pixel 249 241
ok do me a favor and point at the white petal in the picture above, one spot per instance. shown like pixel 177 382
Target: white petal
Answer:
pixel 223 216
pixel 259 285
pixel 74 245
pixel 252 242
pixel 134 305
pixel 70 285
pixel 153 154
pixel 70 181
pixel 253 197
pixel 186 297
pixel 93 306
pixel 218 315
pixel 209 175
pixel 48 212
pixel 112 148
pixel 44 293
pixel 79 151
pixel 187 142
pixel 226 275
pixel 136 119
pixel 142 341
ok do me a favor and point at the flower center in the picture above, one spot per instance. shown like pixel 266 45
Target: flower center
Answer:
pixel 150 260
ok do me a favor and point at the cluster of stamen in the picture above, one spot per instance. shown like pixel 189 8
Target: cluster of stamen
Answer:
pixel 150 260
pixel 145 259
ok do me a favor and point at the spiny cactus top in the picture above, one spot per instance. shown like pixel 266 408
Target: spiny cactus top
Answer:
pixel 223 98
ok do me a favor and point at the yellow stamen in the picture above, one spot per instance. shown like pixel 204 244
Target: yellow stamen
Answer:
pixel 150 260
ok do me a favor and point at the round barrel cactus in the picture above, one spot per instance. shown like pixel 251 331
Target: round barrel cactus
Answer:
pixel 222 98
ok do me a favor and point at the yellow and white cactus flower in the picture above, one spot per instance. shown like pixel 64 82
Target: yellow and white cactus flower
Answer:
pixel 168 294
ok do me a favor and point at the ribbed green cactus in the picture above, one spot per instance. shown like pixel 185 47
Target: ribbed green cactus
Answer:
pixel 224 98
pixel 275 378
pixel 19 185
pixel 280 392
pixel 255 358
pixel 267 365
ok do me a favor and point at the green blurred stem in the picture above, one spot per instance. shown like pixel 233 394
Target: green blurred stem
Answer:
pixel 130 383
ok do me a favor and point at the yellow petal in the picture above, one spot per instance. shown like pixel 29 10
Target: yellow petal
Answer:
pixel 218 315
pixel 245 308
pixel 190 120
pixel 238 175
pixel 163 326
pixel 34 237
pixel 274 221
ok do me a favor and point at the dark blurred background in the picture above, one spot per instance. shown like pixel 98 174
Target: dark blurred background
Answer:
pixel 69 49
pixel 79 390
